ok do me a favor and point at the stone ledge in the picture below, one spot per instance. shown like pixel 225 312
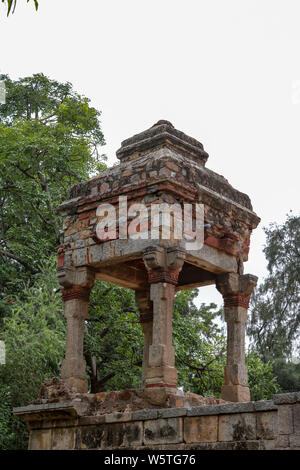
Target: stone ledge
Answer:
pixel 42 407
pixel 118 417
pixel 51 411
pixel 172 412
pixel 142 415
pixel 266 405
pixel 286 398
pixel 221 409
pixel 68 410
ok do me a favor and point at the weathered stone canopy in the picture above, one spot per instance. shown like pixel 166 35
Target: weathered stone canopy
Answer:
pixel 159 165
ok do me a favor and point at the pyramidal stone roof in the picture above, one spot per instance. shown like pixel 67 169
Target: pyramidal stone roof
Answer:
pixel 163 154
pixel 163 133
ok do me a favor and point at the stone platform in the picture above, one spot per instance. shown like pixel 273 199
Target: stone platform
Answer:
pixel 262 425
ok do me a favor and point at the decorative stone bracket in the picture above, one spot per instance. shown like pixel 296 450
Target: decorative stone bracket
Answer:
pixel 236 289
pixel 163 265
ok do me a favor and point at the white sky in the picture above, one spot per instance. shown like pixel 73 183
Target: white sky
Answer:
pixel 224 72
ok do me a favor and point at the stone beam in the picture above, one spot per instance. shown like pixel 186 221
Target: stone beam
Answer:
pixel 212 259
pixel 123 275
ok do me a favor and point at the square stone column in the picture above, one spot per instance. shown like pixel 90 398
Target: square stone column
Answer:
pixel 163 268
pixel 76 287
pixel 145 306
pixel 236 290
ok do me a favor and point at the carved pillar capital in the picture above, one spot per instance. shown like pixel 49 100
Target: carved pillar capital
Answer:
pixel 69 277
pixel 236 289
pixel 76 283
pixel 163 265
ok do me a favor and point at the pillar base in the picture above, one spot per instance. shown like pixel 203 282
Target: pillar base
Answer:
pixel 80 385
pixel 164 375
pixel 159 395
pixel 235 393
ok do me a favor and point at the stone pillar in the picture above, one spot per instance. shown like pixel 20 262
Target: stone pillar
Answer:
pixel 236 290
pixel 163 268
pixel 144 304
pixel 76 287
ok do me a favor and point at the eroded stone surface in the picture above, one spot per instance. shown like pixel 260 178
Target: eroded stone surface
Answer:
pixel 201 429
pixel 237 427
pixel 163 431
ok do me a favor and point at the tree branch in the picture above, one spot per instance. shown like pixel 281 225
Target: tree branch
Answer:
pixel 26 265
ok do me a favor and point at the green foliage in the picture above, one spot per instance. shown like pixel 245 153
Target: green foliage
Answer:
pixel 262 382
pixel 11 5
pixel 49 138
pixel 288 375
pixel 114 338
pixel 200 346
pixel 34 336
pixel 6 432
pixel 275 315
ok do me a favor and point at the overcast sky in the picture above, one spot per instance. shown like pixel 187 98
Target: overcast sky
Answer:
pixel 224 72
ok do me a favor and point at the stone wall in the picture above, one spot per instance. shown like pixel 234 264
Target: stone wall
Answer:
pixel 262 425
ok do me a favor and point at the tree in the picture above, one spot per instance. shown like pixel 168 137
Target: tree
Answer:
pixel 200 345
pixel 113 339
pixel 275 315
pixel 11 5
pixel 287 374
pixel 114 342
pixel 34 336
pixel 49 139
pixel 263 383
